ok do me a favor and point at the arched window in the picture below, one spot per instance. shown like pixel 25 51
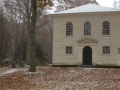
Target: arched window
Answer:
pixel 69 29
pixel 87 28
pixel 69 50
pixel 106 50
pixel 106 28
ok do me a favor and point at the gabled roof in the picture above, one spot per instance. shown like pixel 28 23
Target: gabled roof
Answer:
pixel 88 8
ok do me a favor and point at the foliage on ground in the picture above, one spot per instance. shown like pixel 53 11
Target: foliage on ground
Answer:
pixel 61 78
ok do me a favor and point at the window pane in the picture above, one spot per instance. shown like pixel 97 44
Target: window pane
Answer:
pixel 106 50
pixel 69 50
pixel 69 29
pixel 87 28
pixel 106 28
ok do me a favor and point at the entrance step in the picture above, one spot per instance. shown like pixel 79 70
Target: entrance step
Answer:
pixel 86 66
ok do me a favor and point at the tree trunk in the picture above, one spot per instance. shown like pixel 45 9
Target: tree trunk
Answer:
pixel 32 56
pixel 1 41
pixel 1 47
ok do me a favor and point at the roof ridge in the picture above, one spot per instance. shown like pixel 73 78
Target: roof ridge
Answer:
pixel 101 6
pixel 89 8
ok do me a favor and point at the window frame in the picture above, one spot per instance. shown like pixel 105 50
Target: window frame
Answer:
pixel 87 28
pixel 106 49
pixel 69 29
pixel 106 28
pixel 69 50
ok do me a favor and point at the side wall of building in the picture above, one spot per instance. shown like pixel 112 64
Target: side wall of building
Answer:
pixel 61 41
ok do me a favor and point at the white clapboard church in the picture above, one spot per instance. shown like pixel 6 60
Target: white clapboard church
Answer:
pixel 87 35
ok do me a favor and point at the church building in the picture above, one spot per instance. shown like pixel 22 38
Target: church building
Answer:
pixel 87 35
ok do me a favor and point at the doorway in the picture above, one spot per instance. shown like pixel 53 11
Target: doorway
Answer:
pixel 87 55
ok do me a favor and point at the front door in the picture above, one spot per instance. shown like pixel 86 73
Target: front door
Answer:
pixel 87 55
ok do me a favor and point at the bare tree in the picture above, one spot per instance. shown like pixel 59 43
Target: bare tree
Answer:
pixel 67 4
pixel 4 37
pixel 116 4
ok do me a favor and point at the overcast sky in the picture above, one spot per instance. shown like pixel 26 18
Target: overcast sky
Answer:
pixel 108 3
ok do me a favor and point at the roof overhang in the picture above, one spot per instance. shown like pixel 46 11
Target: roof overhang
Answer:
pixel 64 14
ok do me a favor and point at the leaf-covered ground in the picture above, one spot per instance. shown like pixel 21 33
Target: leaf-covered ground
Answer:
pixel 60 78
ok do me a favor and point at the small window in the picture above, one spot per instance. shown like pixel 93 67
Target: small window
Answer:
pixel 106 50
pixel 106 28
pixel 69 29
pixel 87 28
pixel 69 50
pixel 118 50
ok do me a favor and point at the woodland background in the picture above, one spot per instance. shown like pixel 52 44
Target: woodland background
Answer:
pixel 14 16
